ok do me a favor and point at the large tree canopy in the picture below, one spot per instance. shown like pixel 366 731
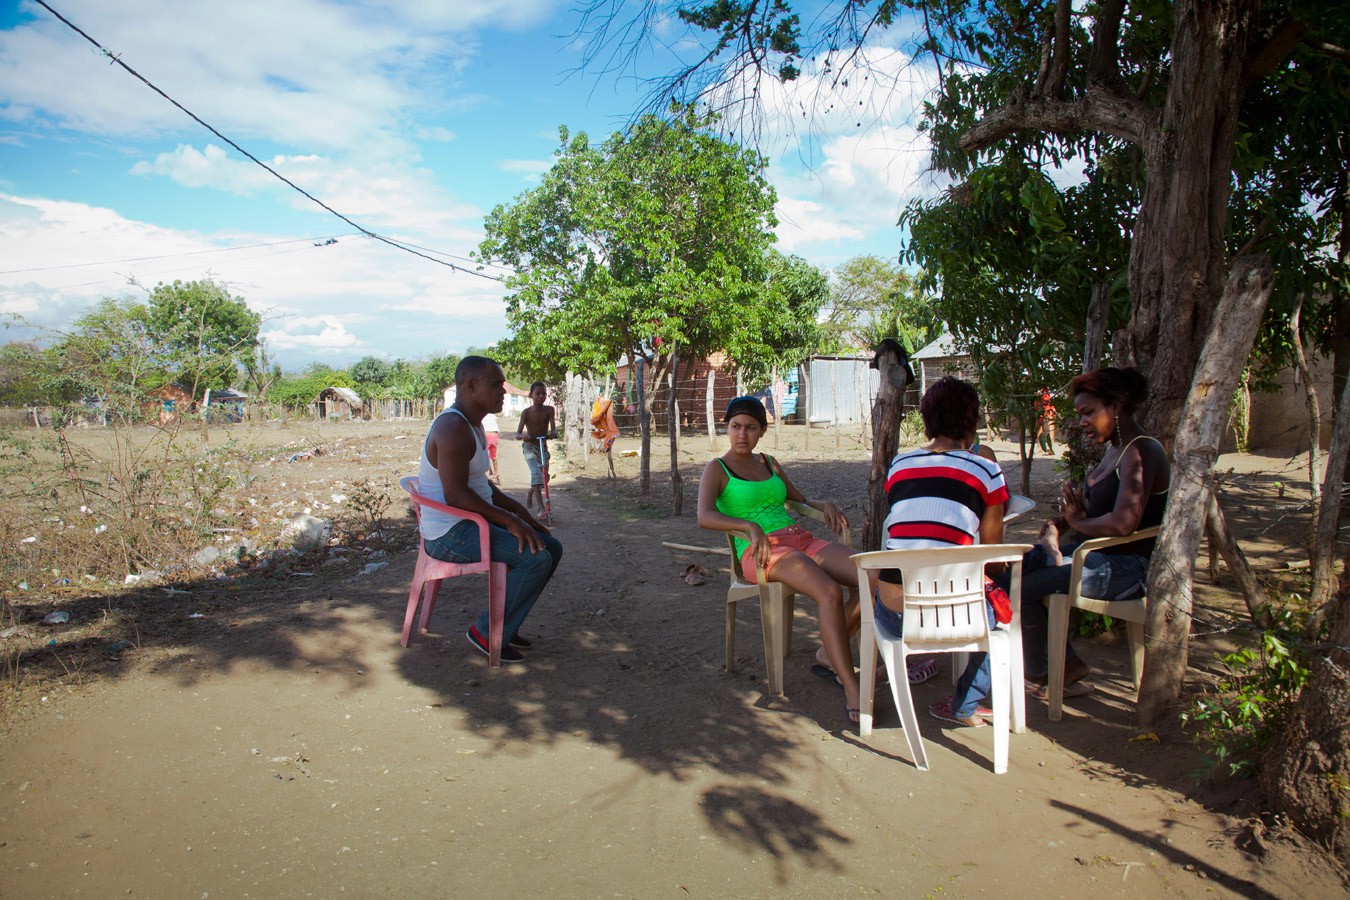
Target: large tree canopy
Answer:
pixel 652 247
pixel 205 335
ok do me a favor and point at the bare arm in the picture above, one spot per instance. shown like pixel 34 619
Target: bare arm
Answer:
pixel 552 425
pixel 450 447
pixel 834 516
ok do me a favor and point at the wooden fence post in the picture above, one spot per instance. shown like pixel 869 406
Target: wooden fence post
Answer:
pixel 708 410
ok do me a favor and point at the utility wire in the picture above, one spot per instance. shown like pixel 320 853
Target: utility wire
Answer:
pixel 116 58
pixel 113 262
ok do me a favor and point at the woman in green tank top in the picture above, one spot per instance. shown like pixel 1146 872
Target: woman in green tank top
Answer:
pixel 744 492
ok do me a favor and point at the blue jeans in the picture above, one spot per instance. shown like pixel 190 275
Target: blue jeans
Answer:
pixel 974 683
pixel 526 572
pixel 1108 576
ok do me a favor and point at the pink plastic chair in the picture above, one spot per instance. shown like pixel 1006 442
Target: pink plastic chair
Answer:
pixel 430 571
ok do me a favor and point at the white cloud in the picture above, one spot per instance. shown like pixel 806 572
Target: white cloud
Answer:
pixel 435 133
pixel 342 300
pixel 317 334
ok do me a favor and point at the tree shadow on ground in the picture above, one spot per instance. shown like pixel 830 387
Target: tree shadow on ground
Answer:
pixel 652 689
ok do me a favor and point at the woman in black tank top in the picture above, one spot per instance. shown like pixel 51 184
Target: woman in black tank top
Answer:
pixel 1126 492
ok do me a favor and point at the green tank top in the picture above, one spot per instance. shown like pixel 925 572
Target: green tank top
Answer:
pixel 760 502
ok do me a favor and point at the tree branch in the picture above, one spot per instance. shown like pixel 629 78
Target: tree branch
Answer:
pixel 1104 60
pixel 1101 110
pixel 1059 60
pixel 1329 49
pixel 1265 58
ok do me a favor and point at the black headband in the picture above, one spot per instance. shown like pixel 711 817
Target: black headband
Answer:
pixel 747 406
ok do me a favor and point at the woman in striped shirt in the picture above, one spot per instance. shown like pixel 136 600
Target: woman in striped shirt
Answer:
pixel 944 495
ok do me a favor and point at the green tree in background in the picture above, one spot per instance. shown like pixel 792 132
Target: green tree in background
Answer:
pixel 370 372
pixel 872 299
pixel 653 247
pixel 205 336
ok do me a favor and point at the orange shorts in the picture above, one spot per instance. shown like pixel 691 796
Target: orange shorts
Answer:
pixel 781 543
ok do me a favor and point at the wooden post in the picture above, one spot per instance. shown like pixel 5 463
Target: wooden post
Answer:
pixel 777 411
pixel 644 430
pixel 673 411
pixel 804 403
pixel 864 419
pixel 834 399
pixel 887 413
pixel 708 411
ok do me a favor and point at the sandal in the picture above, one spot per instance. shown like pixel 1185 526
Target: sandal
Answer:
pixel 922 671
pixel 943 710
pixel 853 715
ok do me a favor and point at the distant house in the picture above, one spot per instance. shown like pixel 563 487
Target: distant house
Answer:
pixel 338 403
pixel 225 405
pixel 165 404
pixel 939 359
pixel 514 405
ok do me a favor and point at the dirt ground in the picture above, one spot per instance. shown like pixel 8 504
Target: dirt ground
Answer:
pixel 266 736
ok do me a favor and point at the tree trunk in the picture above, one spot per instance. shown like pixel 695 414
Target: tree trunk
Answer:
pixel 1177 257
pixel 1314 407
pixel 1328 516
pixel 1306 775
pixel 1222 540
pixel 673 426
pixel 1094 334
pixel 644 430
pixel 1197 440
pixel 887 413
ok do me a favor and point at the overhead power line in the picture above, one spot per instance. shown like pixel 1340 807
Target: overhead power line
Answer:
pixel 113 262
pixel 115 58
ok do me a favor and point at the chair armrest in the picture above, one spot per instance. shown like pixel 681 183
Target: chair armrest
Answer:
pixel 811 512
pixel 410 485
pixel 1083 549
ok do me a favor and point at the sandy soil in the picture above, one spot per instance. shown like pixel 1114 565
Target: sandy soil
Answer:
pixel 267 736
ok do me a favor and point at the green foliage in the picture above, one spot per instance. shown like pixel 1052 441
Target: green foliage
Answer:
pixel 872 299
pixel 657 239
pixel 369 372
pixel 203 335
pixel 1236 720
pixel 1000 253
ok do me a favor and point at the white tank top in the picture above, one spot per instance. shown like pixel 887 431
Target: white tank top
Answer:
pixel 435 523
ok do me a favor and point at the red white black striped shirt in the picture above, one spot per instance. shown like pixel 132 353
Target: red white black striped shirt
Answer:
pixel 938 499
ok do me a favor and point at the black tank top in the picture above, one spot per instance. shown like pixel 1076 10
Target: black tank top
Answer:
pixel 1100 498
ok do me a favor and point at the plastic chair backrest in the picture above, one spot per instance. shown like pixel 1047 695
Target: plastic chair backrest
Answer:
pixel 944 589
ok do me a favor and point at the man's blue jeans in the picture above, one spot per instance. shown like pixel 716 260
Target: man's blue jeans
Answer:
pixel 527 572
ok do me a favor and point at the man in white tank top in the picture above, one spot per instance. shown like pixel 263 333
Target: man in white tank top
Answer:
pixel 454 471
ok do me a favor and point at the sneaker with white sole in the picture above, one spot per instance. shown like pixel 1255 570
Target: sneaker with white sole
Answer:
pixel 479 643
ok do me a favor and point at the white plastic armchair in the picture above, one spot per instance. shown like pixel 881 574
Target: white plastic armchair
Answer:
pixel 1133 612
pixel 944 612
pixel 776 604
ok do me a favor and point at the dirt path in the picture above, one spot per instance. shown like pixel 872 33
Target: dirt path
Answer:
pixel 287 746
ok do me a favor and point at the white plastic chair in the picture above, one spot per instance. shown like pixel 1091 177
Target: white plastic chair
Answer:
pixel 1133 612
pixel 1017 506
pixel 776 604
pixel 944 612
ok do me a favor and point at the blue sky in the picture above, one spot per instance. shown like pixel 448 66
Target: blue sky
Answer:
pixel 412 122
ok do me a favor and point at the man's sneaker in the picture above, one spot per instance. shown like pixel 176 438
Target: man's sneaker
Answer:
pixel 509 653
pixel 521 643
